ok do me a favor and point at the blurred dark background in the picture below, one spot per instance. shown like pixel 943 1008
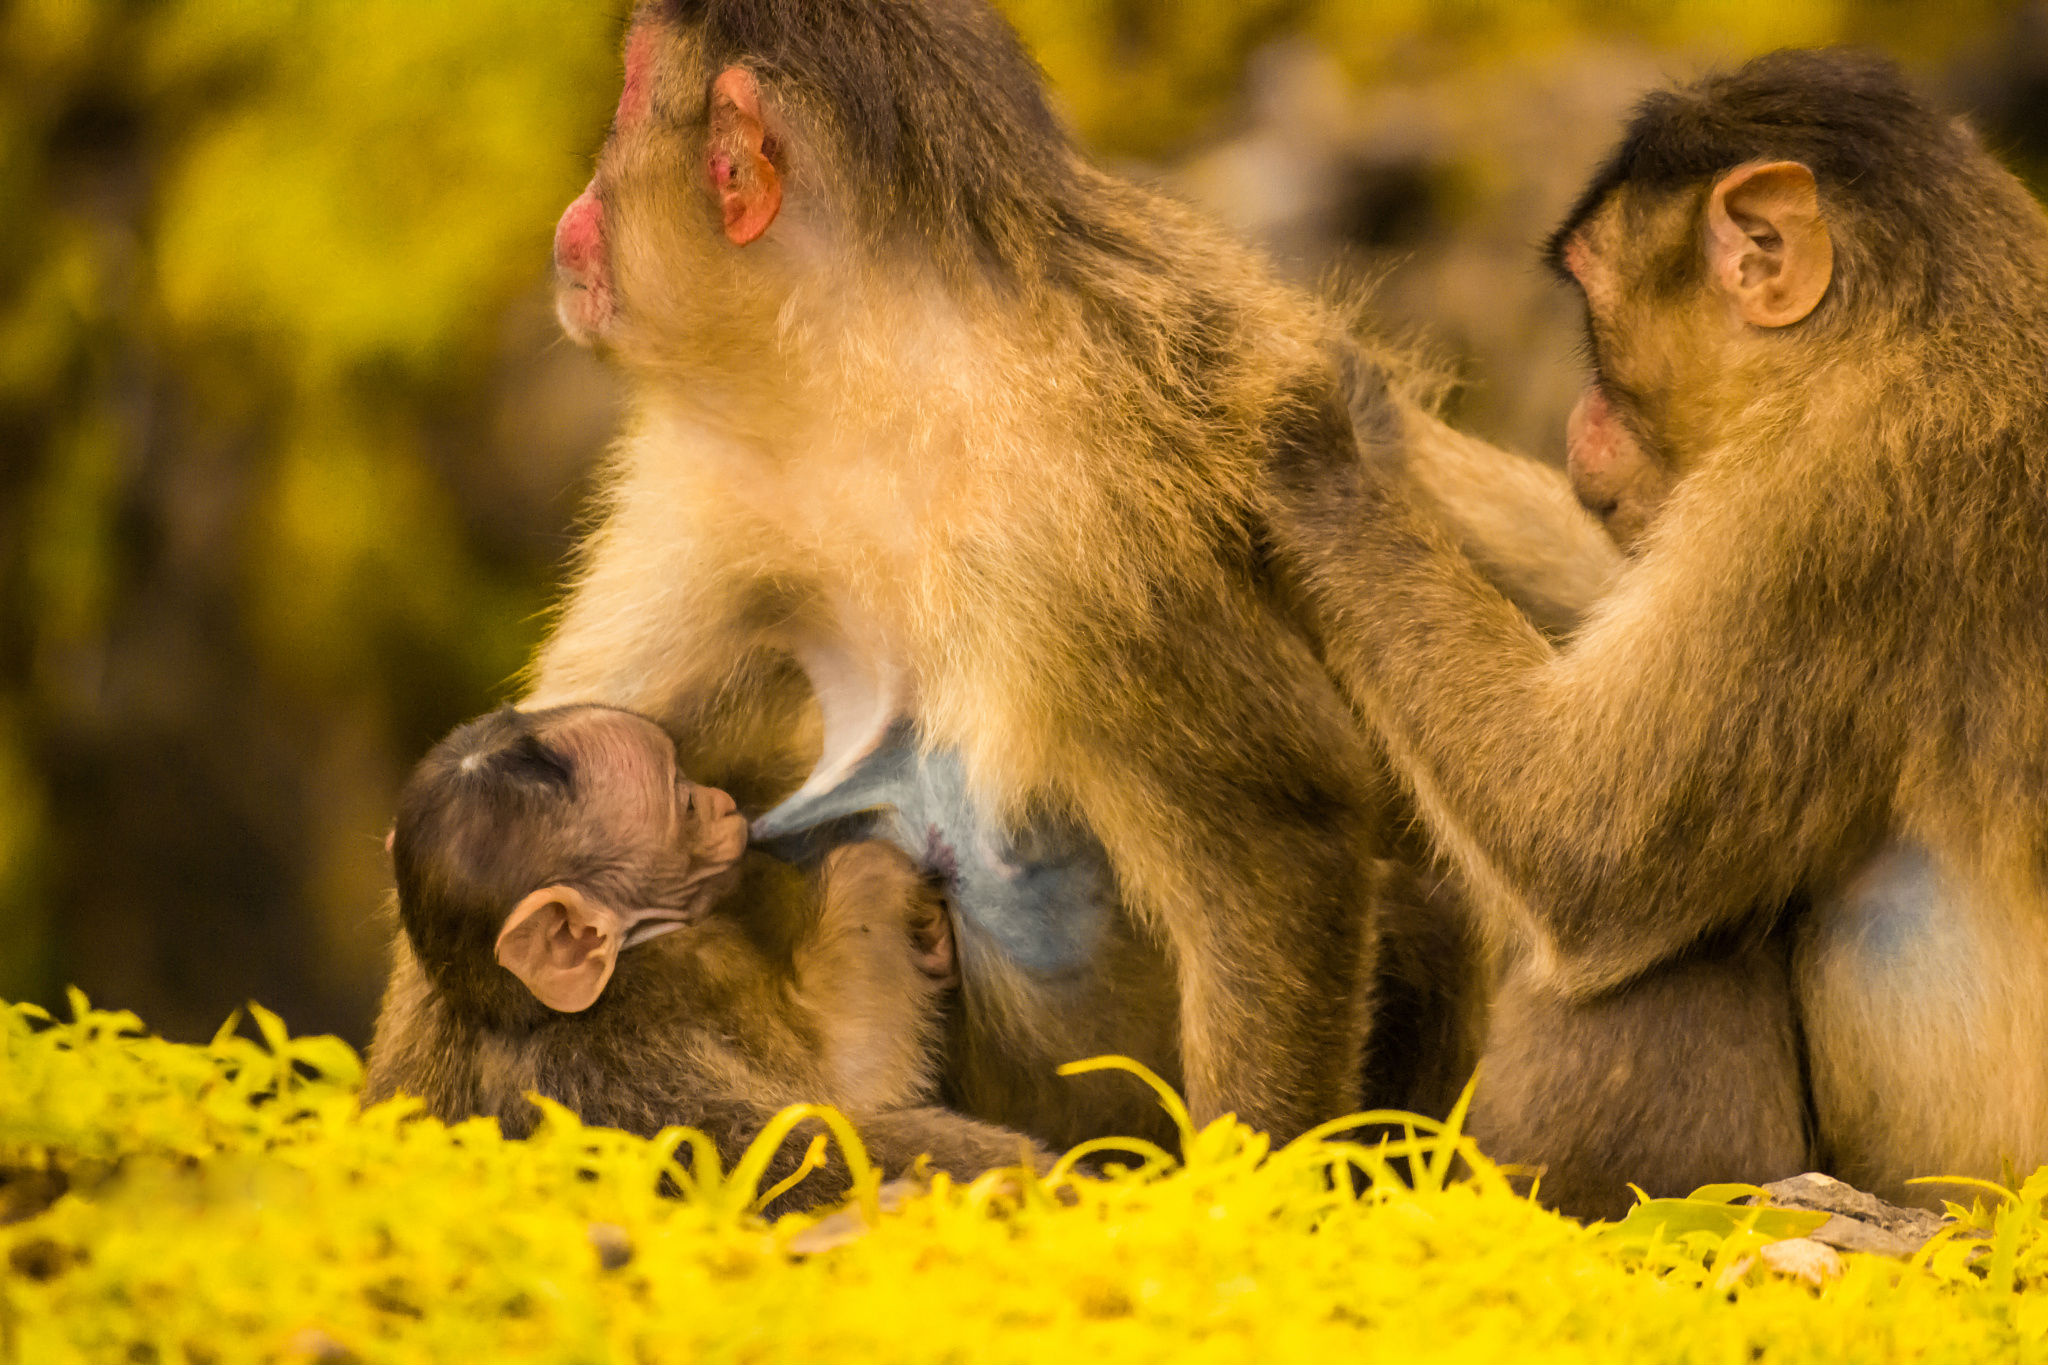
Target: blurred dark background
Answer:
pixel 291 453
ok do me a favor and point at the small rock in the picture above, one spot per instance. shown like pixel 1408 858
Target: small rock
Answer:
pixel 894 1194
pixel 829 1232
pixel 1803 1258
pixel 847 1225
pixel 1858 1221
pixel 614 1247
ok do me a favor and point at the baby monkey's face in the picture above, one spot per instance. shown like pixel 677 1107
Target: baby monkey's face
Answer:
pixel 646 851
pixel 634 798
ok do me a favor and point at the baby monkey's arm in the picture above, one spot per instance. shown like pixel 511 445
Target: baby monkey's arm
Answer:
pixel 875 971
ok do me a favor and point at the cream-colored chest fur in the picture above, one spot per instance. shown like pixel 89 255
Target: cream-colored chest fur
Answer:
pixel 909 542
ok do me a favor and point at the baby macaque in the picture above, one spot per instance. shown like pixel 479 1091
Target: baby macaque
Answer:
pixel 580 925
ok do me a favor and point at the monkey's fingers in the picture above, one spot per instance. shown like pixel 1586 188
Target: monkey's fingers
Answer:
pixel 931 938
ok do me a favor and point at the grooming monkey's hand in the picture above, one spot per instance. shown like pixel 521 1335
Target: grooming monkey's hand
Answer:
pixel 882 878
pixel 1347 454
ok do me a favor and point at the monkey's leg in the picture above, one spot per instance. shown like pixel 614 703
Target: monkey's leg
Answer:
pixel 1429 997
pixel 1257 867
pixel 1685 1077
pixel 962 1147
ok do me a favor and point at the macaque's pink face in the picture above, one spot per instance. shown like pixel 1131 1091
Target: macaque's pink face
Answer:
pixel 634 797
pixel 651 263
pixel 583 276
pixel 1615 479
pixel 583 279
pixel 1614 476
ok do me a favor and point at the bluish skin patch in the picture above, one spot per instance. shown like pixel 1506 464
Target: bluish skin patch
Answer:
pixel 1899 926
pixel 1891 903
pixel 1039 895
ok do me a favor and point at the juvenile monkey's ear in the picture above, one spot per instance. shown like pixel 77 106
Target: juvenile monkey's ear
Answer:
pixel 743 171
pixel 563 945
pixel 1768 249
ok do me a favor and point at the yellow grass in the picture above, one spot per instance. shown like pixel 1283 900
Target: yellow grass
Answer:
pixel 229 1204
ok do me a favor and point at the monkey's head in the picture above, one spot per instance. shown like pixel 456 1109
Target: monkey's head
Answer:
pixel 1752 230
pixel 771 150
pixel 531 849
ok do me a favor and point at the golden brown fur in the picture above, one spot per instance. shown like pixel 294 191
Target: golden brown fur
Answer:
pixel 982 432
pixel 1820 682
pixel 994 427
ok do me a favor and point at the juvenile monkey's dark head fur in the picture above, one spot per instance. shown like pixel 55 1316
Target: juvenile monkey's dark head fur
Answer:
pixel 1907 190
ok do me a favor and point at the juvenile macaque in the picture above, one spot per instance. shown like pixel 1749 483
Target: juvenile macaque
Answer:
pixel 577 928
pixel 937 423
pixel 1808 731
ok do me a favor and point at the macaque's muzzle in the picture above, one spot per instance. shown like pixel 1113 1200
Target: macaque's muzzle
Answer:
pixel 583 282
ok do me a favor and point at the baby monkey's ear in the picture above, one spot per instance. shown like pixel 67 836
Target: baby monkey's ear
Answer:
pixel 563 945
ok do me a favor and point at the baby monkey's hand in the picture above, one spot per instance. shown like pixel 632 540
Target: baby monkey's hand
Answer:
pixel 879 882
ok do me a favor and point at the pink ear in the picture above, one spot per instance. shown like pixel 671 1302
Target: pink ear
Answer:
pixel 562 945
pixel 743 171
pixel 1768 248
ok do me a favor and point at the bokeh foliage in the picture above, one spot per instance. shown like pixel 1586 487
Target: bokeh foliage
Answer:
pixel 257 263
pixel 271 281
pixel 1142 77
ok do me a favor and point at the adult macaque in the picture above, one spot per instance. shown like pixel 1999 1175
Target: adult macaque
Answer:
pixel 978 436
pixel 569 901
pixel 1820 312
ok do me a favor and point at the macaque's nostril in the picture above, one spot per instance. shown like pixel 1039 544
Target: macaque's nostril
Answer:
pixel 582 276
pixel 579 237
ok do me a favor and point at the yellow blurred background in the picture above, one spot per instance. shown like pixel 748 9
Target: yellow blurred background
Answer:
pixel 291 453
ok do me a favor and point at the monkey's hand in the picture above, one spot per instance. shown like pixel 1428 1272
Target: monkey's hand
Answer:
pixel 931 936
pixel 882 883
pixel 1347 453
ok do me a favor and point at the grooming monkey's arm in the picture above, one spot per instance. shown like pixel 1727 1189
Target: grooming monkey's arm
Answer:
pixel 1515 519
pixel 1621 797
